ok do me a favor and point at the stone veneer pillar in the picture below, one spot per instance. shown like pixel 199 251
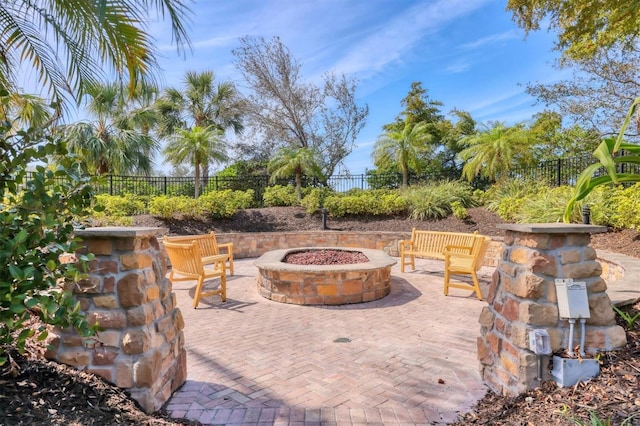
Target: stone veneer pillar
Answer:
pixel 141 348
pixel 522 297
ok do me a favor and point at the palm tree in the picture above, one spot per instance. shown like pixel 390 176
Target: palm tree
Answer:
pixel 108 145
pixel 87 35
pixel 23 111
pixel 139 111
pixel 401 147
pixel 200 102
pixel 196 147
pixel 496 150
pixel 294 162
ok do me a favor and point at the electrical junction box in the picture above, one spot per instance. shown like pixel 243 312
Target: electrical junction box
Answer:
pixel 573 301
pixel 539 342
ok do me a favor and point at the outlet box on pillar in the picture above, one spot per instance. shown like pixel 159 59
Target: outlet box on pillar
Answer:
pixel 573 301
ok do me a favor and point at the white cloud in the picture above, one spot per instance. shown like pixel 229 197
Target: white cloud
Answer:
pixel 401 34
pixel 457 68
pixel 507 35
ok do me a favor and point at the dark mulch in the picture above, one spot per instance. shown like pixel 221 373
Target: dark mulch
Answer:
pixel 34 391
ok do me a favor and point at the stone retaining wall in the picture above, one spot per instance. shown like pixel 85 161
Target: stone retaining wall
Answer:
pixel 141 348
pixel 255 244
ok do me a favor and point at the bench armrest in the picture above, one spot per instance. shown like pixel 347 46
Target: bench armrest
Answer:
pixel 450 254
pixel 406 243
pixel 226 246
pixel 455 250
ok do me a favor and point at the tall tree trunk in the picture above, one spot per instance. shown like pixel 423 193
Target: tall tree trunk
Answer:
pixel 196 183
pixel 299 185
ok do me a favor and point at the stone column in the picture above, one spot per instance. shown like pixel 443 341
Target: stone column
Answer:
pixel 522 297
pixel 141 347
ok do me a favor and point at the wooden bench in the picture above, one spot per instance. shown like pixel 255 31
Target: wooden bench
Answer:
pixel 463 254
pixel 431 244
pixel 210 250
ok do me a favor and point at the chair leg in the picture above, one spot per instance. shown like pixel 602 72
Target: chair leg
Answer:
pixel 476 285
pixel 196 297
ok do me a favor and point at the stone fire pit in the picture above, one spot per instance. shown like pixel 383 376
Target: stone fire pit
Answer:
pixel 324 284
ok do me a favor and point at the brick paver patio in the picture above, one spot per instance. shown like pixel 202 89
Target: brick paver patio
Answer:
pixel 409 358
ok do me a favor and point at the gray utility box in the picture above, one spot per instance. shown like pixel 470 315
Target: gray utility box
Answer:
pixel 569 371
pixel 573 301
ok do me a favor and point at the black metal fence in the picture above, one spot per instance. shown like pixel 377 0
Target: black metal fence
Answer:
pixel 565 171
pixel 562 171
pixel 174 186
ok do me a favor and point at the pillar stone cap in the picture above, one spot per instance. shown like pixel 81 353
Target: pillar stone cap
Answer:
pixel 554 228
pixel 120 232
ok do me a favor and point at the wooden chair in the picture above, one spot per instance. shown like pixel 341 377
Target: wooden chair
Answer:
pixel 209 248
pixel 459 263
pixel 186 261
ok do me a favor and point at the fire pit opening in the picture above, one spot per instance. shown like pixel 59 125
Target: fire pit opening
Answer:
pixel 325 257
pixel 369 278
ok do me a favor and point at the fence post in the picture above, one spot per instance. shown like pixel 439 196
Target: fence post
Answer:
pixel 110 184
pixel 559 172
pixel 165 185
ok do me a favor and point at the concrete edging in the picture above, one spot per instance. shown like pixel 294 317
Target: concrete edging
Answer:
pixel 624 270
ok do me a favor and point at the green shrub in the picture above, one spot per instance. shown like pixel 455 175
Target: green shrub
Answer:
pixel 279 195
pixel 37 213
pixel 120 205
pixel 600 203
pixel 506 198
pixel 217 204
pixel 548 205
pixel 373 202
pixel 433 201
pixel 168 207
pixel 224 204
pixel 479 196
pixel 314 200
pixel 459 211
pixel 627 207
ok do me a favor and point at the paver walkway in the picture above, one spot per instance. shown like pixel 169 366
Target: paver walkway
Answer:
pixel 409 358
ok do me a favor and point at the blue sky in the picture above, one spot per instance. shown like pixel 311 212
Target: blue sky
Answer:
pixel 467 53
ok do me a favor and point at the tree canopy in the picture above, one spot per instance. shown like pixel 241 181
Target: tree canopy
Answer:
pixel 288 112
pixel 439 142
pixel 69 43
pixel 108 143
pixel 600 91
pixel 584 27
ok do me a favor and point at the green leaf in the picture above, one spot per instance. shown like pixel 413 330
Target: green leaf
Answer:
pixel 51 265
pixel 17 308
pixel 21 237
pixel 15 271
pixel 42 336
pixel 627 121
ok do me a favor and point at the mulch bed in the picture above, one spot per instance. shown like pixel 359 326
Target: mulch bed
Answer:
pixel 37 392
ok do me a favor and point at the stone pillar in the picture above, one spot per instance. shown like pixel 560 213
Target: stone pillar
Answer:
pixel 522 297
pixel 141 347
